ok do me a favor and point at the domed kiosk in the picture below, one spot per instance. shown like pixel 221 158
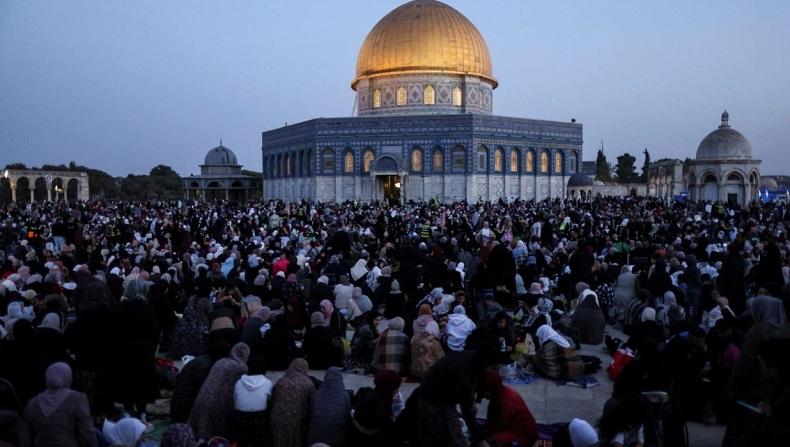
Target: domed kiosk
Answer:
pixel 724 170
pixel 424 126
pixel 221 178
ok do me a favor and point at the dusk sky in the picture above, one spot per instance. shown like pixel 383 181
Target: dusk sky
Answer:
pixel 125 85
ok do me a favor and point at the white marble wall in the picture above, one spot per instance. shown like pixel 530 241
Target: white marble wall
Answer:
pixel 445 188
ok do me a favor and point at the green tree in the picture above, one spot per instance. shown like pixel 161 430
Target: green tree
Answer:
pixel 645 166
pixel 603 170
pixel 625 170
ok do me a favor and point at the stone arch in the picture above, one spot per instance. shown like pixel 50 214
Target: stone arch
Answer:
pixel 458 162
pixel 515 158
pixel 368 155
pixel 348 161
pixel 328 161
pixel 387 164
pixel 709 187
pixel 437 159
pixel 416 159
pixel 529 165
pixel 23 189
pixel 5 190
pixel 544 161
pixel 40 187
pixel 482 158
pixel 499 159
pixel 559 162
pixel 573 162
pixel 58 188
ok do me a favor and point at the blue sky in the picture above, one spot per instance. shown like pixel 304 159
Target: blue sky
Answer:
pixel 125 85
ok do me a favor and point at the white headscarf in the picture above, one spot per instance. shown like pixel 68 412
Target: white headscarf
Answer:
pixel 582 433
pixel 125 432
pixel 546 333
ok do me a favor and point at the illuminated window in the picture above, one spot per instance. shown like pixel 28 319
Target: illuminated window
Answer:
pixel 438 160
pixel 499 160
pixel 401 96
pixel 459 159
pixel 572 162
pixel 367 160
pixel 416 160
pixel 558 162
pixel 530 161
pixel 348 162
pixel 482 159
pixel 376 98
pixel 328 161
pixel 544 161
pixel 428 95
pixel 457 96
pixel 514 160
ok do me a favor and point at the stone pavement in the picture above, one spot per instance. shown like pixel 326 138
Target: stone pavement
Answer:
pixel 551 403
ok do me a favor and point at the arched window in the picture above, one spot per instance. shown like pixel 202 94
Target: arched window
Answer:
pixel 328 161
pixel 544 161
pixel 428 95
pixel 499 160
pixel 376 98
pixel 348 162
pixel 459 159
pixel 284 166
pixel 401 96
pixel 438 160
pixel 367 160
pixel 573 160
pixel 416 160
pixel 530 160
pixel 514 156
pixel 458 97
pixel 558 165
pixel 482 159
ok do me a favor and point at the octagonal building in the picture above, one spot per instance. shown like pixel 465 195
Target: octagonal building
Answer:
pixel 424 126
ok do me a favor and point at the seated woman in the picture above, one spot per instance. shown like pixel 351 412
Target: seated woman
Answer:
pixel 392 349
pixel 508 420
pixel 250 400
pixel 363 344
pixel 373 420
pixel 535 314
pixel 502 328
pixel 556 359
pixel 426 348
pixel 319 347
pixel 588 318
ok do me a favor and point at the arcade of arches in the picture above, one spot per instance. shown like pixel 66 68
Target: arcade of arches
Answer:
pixel 30 185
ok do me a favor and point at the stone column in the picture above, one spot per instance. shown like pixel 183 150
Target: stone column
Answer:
pixel 49 192
pixel 13 191
pixel 32 195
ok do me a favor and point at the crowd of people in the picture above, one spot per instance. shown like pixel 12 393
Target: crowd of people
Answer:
pixel 108 307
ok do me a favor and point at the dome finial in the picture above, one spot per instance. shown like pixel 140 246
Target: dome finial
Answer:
pixel 725 119
pixel 220 141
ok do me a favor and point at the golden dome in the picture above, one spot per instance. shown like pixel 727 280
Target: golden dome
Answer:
pixel 424 36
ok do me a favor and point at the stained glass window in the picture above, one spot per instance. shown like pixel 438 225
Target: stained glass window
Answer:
pixel 428 95
pixel 401 96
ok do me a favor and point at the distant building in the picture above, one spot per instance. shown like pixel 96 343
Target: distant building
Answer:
pixel 221 178
pixel 724 170
pixel 425 129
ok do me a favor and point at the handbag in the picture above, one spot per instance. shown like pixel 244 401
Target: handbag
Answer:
pixel 621 357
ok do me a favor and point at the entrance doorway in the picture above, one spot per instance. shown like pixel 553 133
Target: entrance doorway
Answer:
pixel 391 186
